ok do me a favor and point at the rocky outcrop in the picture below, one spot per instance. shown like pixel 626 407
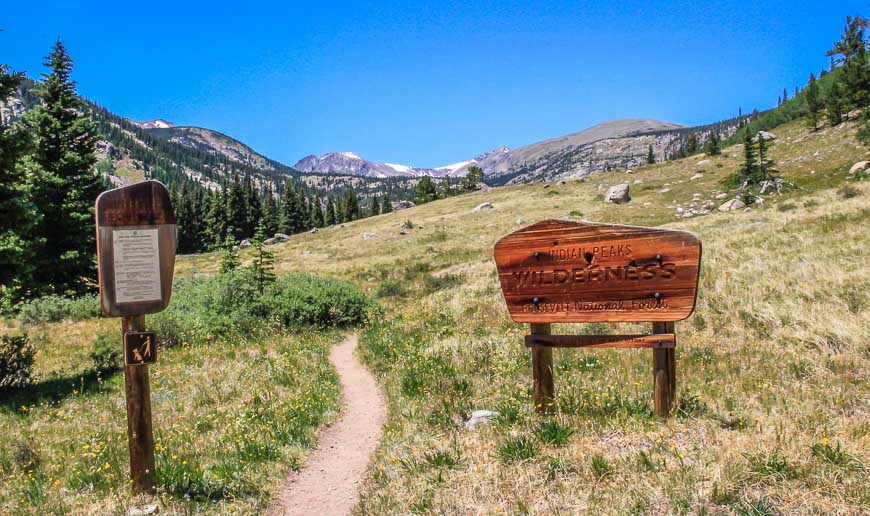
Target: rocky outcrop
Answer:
pixel 617 194
pixel 731 205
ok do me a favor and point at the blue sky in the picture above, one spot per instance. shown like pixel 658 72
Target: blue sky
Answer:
pixel 424 83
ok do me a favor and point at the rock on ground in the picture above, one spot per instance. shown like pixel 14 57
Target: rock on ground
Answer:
pixel 766 135
pixel 368 236
pixel 484 206
pixel 617 194
pixel 857 167
pixel 480 417
pixel 731 205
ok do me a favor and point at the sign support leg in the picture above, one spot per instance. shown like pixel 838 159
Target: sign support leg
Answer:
pixel 139 432
pixel 542 372
pixel 664 373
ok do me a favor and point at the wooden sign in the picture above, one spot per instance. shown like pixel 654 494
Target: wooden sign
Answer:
pixel 140 348
pixel 563 271
pixel 136 241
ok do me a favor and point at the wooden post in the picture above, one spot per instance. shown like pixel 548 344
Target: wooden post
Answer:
pixel 139 432
pixel 542 372
pixel 664 373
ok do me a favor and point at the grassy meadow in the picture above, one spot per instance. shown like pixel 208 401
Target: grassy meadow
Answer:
pixel 773 409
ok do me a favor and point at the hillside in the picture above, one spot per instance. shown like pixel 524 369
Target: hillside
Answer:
pixel 754 362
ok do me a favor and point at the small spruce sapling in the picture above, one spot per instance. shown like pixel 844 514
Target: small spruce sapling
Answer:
pixel 230 260
pixel 263 266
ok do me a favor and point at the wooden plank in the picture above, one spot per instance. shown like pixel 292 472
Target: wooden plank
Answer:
pixel 565 271
pixel 143 209
pixel 657 341
pixel 664 374
pixel 139 431
pixel 542 373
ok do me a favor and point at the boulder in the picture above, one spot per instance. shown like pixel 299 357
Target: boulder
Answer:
pixel 281 236
pixel 143 510
pixel 479 417
pixel 664 190
pixel 520 221
pixel 731 205
pixel 368 236
pixel 402 205
pixel 617 194
pixel 696 176
pixel 703 162
pixel 766 135
pixel 270 241
pixel 722 195
pixel 858 167
pixel 245 243
pixel 484 206
pixel 314 230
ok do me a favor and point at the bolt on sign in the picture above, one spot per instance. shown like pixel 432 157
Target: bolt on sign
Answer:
pixel 136 241
pixel 569 272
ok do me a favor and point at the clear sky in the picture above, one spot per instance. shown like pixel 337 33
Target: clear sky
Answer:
pixel 424 83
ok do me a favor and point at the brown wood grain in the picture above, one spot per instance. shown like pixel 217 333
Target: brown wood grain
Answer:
pixel 664 374
pixel 144 205
pixel 565 271
pixel 663 340
pixel 542 373
pixel 140 434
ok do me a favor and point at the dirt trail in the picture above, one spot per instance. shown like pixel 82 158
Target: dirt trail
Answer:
pixel 329 484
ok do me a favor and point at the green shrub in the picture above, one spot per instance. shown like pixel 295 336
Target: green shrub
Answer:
pixel 16 361
pixel 58 308
pixel 106 352
pixel 551 432
pixel 391 288
pixel 771 465
pixel 517 448
pixel 600 466
pixel 302 300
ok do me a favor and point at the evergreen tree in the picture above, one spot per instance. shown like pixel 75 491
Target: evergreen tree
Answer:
pixel 852 52
pixel 425 190
pixel 316 213
pixel 185 218
pixel 291 210
pixel 747 172
pixel 263 267
pixel 351 205
pixel 650 157
pixel 376 206
pixel 387 204
pixel 814 104
pixel 16 218
pixel 329 213
pixel 692 144
pixel 215 219
pixel 270 213
pixel 65 183
pixel 784 96
pixel 712 147
pixel 765 169
pixel 835 103
pixel 253 206
pixel 237 209
pixel 230 260
pixel 473 177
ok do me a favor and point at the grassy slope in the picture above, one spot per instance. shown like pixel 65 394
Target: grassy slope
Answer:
pixel 773 362
pixel 228 418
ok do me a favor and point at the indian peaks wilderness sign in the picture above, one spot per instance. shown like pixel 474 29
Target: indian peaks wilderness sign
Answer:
pixel 564 271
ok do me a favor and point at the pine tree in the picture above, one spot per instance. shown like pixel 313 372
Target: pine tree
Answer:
pixel 765 169
pixel 650 157
pixel 473 177
pixel 65 183
pixel 712 147
pixel 16 218
pixel 692 143
pixel 263 266
pixel 387 204
pixel 237 210
pixel 747 172
pixel 835 103
pixel 329 213
pixel 316 213
pixel 813 102
pixel 784 96
pixel 855 76
pixel 270 213
pixel 185 218
pixel 425 190
pixel 350 205
pixel 291 210
pixel 230 260
pixel 215 219
pixel 376 206
pixel 253 206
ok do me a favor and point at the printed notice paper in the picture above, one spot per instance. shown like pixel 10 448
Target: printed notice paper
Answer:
pixel 137 265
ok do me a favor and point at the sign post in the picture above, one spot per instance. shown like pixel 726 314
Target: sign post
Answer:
pixel 136 241
pixel 568 272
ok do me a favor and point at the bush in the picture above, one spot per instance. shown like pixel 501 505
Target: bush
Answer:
pixel 16 361
pixel 302 300
pixel 391 288
pixel 58 308
pixel 106 352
